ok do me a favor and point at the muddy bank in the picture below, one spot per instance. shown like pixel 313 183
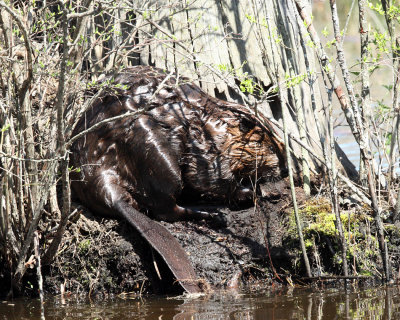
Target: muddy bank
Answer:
pixel 102 257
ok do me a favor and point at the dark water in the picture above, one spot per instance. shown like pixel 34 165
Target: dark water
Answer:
pixel 375 303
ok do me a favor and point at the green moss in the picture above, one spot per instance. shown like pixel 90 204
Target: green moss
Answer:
pixel 318 218
pixel 84 246
pixel 320 233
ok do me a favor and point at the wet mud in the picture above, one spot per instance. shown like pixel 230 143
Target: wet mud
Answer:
pixel 248 248
pixel 231 251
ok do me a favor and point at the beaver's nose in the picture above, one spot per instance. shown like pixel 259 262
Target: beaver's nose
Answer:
pixel 284 172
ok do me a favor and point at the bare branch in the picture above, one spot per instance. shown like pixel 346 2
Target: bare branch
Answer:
pixel 84 14
pixel 25 34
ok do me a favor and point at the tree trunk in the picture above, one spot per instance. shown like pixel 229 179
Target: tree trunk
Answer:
pixel 219 40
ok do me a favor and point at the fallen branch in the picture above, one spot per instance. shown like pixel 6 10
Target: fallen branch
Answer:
pixel 342 177
pixel 336 278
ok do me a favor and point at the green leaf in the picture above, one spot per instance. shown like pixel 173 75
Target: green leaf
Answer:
pixel 388 87
pixel 5 127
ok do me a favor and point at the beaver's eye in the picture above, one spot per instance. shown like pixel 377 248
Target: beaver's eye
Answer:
pixel 246 125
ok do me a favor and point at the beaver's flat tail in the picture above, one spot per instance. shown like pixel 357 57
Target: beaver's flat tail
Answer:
pixel 164 243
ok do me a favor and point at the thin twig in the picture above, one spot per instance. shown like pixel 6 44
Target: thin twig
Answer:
pixel 337 278
pixel 3 154
pixel 25 85
pixel 396 115
pixel 352 116
pixel 283 98
pixel 61 145
pixel 342 177
pixel 85 13
pixel 332 172
pixel 365 99
pixel 102 123
pixel 292 188
pixel 363 141
pixel 39 273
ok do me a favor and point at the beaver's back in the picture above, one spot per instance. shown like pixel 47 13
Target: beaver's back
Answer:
pixel 183 139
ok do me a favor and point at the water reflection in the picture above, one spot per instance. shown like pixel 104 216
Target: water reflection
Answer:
pixel 375 303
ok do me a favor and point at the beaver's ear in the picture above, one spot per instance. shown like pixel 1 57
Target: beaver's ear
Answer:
pixel 246 125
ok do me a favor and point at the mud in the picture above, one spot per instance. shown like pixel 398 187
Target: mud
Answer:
pixel 251 248
pixel 105 256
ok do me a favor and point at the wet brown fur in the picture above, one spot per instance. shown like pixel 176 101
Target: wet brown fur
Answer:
pixel 186 140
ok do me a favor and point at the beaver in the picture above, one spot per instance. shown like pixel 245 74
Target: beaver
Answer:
pixel 180 141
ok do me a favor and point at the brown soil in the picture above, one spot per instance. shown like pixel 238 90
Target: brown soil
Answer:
pixel 104 257
pixel 100 256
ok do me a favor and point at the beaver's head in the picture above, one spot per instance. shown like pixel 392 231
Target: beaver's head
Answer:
pixel 254 150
